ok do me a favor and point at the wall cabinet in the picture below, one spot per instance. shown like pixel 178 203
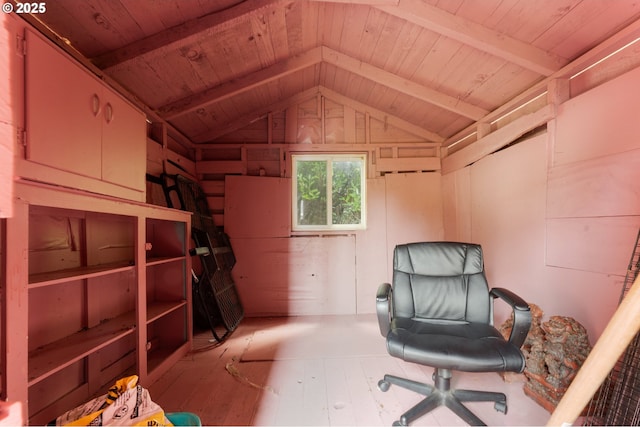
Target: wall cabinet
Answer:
pixel 76 124
pixel 11 106
pixel 108 294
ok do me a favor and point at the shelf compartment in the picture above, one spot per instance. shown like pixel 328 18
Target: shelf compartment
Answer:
pixel 65 243
pixel 58 393
pixel 166 335
pixel 166 238
pixel 163 260
pixel 51 358
pixel 61 276
pixel 159 309
pixel 166 282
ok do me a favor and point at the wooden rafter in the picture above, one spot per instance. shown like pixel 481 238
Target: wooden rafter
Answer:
pixel 402 85
pixel 210 24
pixel 469 33
pixel 497 139
pixel 624 38
pixel 476 35
pixel 308 59
pixel 241 84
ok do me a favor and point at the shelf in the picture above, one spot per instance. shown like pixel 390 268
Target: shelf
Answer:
pixel 164 260
pixel 60 276
pixel 51 358
pixel 156 310
pixel 160 360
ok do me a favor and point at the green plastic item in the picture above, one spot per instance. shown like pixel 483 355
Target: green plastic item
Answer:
pixel 183 418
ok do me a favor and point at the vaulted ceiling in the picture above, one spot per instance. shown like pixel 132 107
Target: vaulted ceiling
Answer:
pixel 210 67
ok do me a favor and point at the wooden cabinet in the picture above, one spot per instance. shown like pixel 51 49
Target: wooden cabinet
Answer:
pixel 11 105
pixel 76 124
pixel 108 295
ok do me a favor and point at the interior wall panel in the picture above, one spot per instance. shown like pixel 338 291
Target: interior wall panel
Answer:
pixel 601 122
pixel 595 244
pixel 257 207
pixel 559 229
pixel 596 187
pixel 414 209
pixel 372 265
pixel 456 194
pixel 507 215
pixel 296 276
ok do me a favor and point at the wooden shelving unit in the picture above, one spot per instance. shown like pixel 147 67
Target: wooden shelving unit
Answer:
pixel 108 290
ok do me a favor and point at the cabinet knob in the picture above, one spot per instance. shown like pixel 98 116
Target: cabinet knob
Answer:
pixel 95 105
pixel 108 112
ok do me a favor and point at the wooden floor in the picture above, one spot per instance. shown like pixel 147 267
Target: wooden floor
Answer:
pixel 315 371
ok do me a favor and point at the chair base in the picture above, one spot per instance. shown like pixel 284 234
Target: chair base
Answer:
pixel 442 395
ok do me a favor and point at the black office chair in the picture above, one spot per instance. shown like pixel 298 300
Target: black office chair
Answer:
pixel 439 313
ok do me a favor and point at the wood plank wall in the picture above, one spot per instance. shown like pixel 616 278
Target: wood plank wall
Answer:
pixel 558 214
pixel 278 273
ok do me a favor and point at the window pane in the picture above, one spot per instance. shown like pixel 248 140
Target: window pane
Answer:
pixel 312 192
pixel 346 192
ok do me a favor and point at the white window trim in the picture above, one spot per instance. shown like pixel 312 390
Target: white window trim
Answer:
pixel 294 192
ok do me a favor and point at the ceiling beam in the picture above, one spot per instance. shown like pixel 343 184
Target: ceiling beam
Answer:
pixel 308 59
pixel 614 44
pixel 241 84
pixel 211 24
pixel 476 35
pixel 414 11
pixel 402 85
pixel 497 139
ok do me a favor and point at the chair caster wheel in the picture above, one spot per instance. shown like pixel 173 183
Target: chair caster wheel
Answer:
pixel 501 407
pixel 383 385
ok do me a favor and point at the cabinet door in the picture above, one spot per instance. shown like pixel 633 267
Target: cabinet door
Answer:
pixel 63 118
pixel 124 143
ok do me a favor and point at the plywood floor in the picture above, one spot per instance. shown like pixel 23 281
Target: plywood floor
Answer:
pixel 310 371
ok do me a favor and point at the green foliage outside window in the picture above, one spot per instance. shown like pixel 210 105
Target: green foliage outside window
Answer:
pixel 329 191
pixel 329 185
pixel 312 192
pixel 346 192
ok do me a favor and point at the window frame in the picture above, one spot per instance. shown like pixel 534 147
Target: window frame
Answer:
pixel 329 158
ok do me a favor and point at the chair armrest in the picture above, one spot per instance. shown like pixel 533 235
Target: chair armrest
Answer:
pixel 521 314
pixel 383 308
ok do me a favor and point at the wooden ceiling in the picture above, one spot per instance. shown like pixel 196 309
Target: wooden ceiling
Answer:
pixel 210 67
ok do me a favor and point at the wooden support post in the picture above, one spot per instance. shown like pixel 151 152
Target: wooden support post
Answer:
pixel 620 330
pixel 349 116
pixel 291 125
pixel 482 129
pixel 367 128
pixel 14 313
pixel 558 91
pixel 323 129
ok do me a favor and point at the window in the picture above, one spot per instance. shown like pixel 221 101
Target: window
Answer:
pixel 328 191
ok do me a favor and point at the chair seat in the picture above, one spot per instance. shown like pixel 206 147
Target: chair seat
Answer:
pixel 462 346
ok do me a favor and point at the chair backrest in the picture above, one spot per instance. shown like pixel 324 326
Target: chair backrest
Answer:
pixel 440 280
